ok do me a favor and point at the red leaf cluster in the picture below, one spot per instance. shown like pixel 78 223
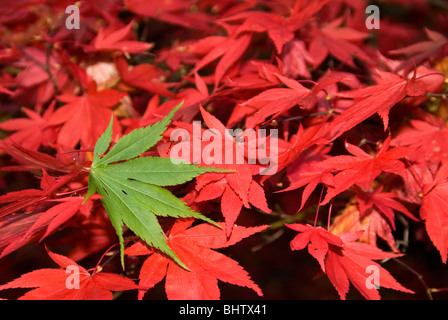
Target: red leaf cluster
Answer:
pixel 355 124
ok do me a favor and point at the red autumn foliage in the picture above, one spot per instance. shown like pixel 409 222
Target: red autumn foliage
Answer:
pixel 362 147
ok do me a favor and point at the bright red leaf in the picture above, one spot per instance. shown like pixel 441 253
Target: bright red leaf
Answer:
pixel 354 263
pixel 142 76
pixel 373 223
pixel 429 136
pixel 237 188
pixel 94 108
pixel 56 284
pixel 316 239
pixel 384 202
pixel 338 41
pixel 380 98
pixel 418 52
pixel 227 49
pixel 115 40
pixel 31 132
pixel 362 168
pixel 257 21
pixel 434 210
pixel 344 260
pixel 193 245
pixel 308 171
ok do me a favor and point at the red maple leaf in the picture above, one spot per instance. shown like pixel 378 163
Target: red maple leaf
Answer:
pixel 276 101
pixel 34 83
pixel 316 238
pixel 339 42
pixel 34 160
pixel 29 198
pixel 429 136
pixel 419 52
pixel 143 76
pixel 193 246
pixel 55 284
pixel 307 171
pixel 255 75
pixel 31 132
pixel 93 234
pixel 93 110
pixel 237 188
pixel 228 50
pixel 351 263
pixel 14 227
pixel 345 260
pixel 275 25
pixel 190 99
pixel 58 214
pixel 380 98
pixel 33 214
pixel 434 210
pixel 384 202
pixel 177 55
pixel 301 141
pixel 111 39
pixel 296 65
pixel 362 168
pixel 303 12
pixel 373 223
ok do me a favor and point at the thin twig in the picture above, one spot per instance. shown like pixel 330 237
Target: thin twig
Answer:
pixel 331 111
pixel 405 241
pixel 269 239
pixel 318 206
pixel 419 277
pixel 329 215
pixel 437 95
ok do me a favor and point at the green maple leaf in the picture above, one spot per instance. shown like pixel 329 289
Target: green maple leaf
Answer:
pixel 132 190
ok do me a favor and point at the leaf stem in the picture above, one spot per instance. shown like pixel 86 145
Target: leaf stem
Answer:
pixel 329 215
pixel 70 192
pixel 97 267
pixel 321 113
pixel 318 206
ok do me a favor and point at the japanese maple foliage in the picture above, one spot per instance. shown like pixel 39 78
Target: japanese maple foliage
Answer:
pixel 205 266
pixel 127 154
pixel 344 260
pixel 51 283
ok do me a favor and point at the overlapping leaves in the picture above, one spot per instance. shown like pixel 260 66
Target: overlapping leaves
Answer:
pixel 132 191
